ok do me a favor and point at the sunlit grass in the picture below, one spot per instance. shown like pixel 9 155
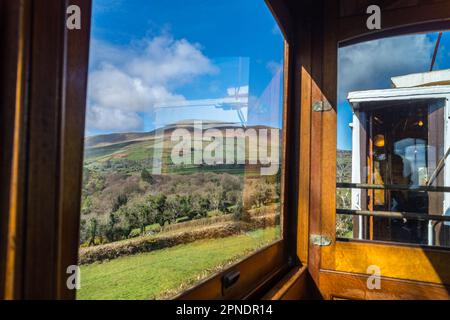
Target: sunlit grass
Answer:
pixel 151 275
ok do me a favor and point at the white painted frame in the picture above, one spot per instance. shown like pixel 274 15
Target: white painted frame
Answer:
pixel 397 94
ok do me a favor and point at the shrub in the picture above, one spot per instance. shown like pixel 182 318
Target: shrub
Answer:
pixel 146 244
pixel 172 237
pixel 258 193
pixel 146 176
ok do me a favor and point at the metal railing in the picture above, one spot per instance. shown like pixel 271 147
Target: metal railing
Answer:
pixel 397 187
pixel 392 214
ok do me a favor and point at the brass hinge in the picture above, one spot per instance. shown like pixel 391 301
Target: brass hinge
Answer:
pixel 319 240
pixel 321 106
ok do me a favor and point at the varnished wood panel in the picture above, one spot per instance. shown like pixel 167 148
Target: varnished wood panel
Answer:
pixel 294 286
pixel 283 16
pixel 322 175
pixel 14 73
pixel 5 141
pixel 316 137
pixel 329 122
pixel 54 150
pixel 49 93
pixel 289 170
pixel 71 152
pixel 9 33
pixel 264 266
pixel 291 115
pixel 322 123
pixel 339 285
pixel 48 25
pixel 402 262
pixel 359 7
pixel 51 206
pixel 397 21
pixel 302 95
pixel 300 289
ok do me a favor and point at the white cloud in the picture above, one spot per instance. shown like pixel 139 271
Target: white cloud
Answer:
pixel 115 119
pixel 126 80
pixel 166 60
pixel 370 65
pixel 112 88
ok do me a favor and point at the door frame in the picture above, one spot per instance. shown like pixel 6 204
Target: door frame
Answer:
pixel 339 270
pixel 40 232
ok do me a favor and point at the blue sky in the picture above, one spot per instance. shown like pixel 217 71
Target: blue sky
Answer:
pixel 371 65
pixel 148 52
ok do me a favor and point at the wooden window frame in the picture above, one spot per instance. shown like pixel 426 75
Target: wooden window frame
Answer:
pixel 278 259
pixel 332 266
pixel 48 79
pixel 45 175
pixel 45 69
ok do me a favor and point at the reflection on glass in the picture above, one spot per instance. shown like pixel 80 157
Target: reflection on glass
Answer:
pixel 183 154
pixel 392 165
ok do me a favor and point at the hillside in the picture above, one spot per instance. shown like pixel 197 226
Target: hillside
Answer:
pixel 121 184
pixel 113 138
pixel 117 138
pixel 132 146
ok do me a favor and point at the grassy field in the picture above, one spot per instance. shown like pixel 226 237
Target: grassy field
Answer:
pixel 155 274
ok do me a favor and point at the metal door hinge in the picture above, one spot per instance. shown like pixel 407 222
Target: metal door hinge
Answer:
pixel 321 106
pixel 319 240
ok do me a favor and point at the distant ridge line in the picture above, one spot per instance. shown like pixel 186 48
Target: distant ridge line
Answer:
pixel 103 140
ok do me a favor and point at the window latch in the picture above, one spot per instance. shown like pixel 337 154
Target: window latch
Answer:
pixel 230 279
pixel 319 240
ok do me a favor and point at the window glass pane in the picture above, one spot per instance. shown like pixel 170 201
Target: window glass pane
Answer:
pixel 393 166
pixel 182 161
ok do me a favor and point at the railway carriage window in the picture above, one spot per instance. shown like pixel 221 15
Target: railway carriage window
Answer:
pixel 182 160
pixel 393 159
